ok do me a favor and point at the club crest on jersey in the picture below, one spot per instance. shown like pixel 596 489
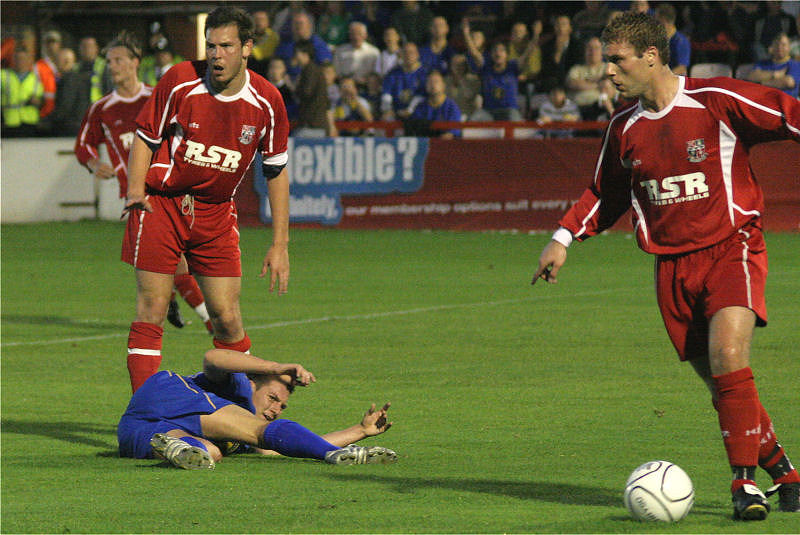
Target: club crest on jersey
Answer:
pixel 248 134
pixel 697 150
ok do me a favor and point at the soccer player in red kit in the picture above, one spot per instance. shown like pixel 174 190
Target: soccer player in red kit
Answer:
pixel 112 120
pixel 679 157
pixel 197 135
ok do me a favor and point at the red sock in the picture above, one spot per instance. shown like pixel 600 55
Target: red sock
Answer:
pixel 772 457
pixel 144 352
pixel 739 411
pixel 189 290
pixel 242 345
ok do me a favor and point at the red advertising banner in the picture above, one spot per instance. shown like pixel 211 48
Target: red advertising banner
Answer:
pixel 524 184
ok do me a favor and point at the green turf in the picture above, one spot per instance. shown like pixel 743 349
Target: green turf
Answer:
pixel 516 408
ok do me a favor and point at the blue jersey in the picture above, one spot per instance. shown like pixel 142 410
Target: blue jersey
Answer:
pixel 402 86
pixel 168 401
pixel 680 50
pixel 436 62
pixel 448 111
pixel 322 53
pixel 791 67
pixel 499 89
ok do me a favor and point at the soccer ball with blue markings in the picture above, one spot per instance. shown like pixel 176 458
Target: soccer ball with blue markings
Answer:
pixel 659 491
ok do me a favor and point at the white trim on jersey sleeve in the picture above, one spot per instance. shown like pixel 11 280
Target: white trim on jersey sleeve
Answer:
pixel 563 236
pixel 277 159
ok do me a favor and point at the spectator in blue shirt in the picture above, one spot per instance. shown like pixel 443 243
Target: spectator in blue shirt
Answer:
pixel 499 80
pixel 436 55
pixel 780 71
pixel 437 106
pixel 680 48
pixel 402 84
pixel 303 31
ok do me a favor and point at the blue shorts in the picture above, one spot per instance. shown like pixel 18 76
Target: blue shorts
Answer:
pixel 166 401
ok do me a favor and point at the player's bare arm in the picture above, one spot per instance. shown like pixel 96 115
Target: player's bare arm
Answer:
pixel 219 363
pixel 100 169
pixel 550 261
pixel 138 164
pixel 373 423
pixel 276 262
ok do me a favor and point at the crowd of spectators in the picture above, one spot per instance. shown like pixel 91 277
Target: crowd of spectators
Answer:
pixel 422 61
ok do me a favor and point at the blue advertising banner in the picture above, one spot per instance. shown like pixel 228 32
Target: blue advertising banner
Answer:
pixel 320 170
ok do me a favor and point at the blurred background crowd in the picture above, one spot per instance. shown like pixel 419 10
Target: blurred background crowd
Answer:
pixel 368 60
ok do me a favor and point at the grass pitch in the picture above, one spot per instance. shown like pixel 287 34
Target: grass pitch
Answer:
pixel 517 409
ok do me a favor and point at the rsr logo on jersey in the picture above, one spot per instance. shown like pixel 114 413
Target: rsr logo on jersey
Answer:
pixel 215 157
pixel 676 189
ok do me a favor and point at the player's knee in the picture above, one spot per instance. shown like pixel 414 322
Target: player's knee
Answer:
pixel 227 325
pixel 726 358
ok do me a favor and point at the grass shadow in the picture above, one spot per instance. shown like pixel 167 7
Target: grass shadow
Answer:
pixel 72 432
pixel 49 320
pixel 565 493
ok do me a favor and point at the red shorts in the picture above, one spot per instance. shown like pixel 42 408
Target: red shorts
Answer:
pixel 208 234
pixel 692 287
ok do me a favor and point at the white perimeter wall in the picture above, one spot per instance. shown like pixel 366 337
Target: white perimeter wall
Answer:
pixel 38 176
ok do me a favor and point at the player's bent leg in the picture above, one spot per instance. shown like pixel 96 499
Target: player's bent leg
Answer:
pixel 222 302
pixel 232 422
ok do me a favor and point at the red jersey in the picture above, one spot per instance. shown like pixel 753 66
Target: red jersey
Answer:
pixel 685 170
pixel 204 142
pixel 111 120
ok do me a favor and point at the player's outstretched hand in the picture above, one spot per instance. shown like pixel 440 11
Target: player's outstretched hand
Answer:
pixel 375 422
pixel 550 261
pixel 302 377
pixel 136 202
pixel 277 264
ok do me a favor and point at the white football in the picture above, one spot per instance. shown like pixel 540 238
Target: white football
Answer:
pixel 659 491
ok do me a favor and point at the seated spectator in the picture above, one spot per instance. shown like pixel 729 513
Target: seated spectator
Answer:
pixel 402 84
pixel 278 75
pixel 265 41
pixel 517 45
pixel 333 23
pixel 390 54
pixel 356 58
pixel 641 6
pixel 463 86
pixel 780 71
pixel 559 54
pixel 376 15
pixel 437 106
pixel 330 75
pixel 584 80
pixel 23 95
pixel 351 106
pixel 413 22
pixel 558 108
pixel 437 53
pixel 603 108
pixel 767 27
pixel 372 92
pixel 72 97
pixel 590 21
pixel 680 48
pixel 303 32
pixel 499 81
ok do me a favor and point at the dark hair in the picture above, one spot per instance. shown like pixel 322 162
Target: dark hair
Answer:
pixel 125 39
pixel 225 15
pixel 641 31
pixel 260 379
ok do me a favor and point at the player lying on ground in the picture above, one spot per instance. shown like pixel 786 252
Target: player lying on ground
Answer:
pixel 193 420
